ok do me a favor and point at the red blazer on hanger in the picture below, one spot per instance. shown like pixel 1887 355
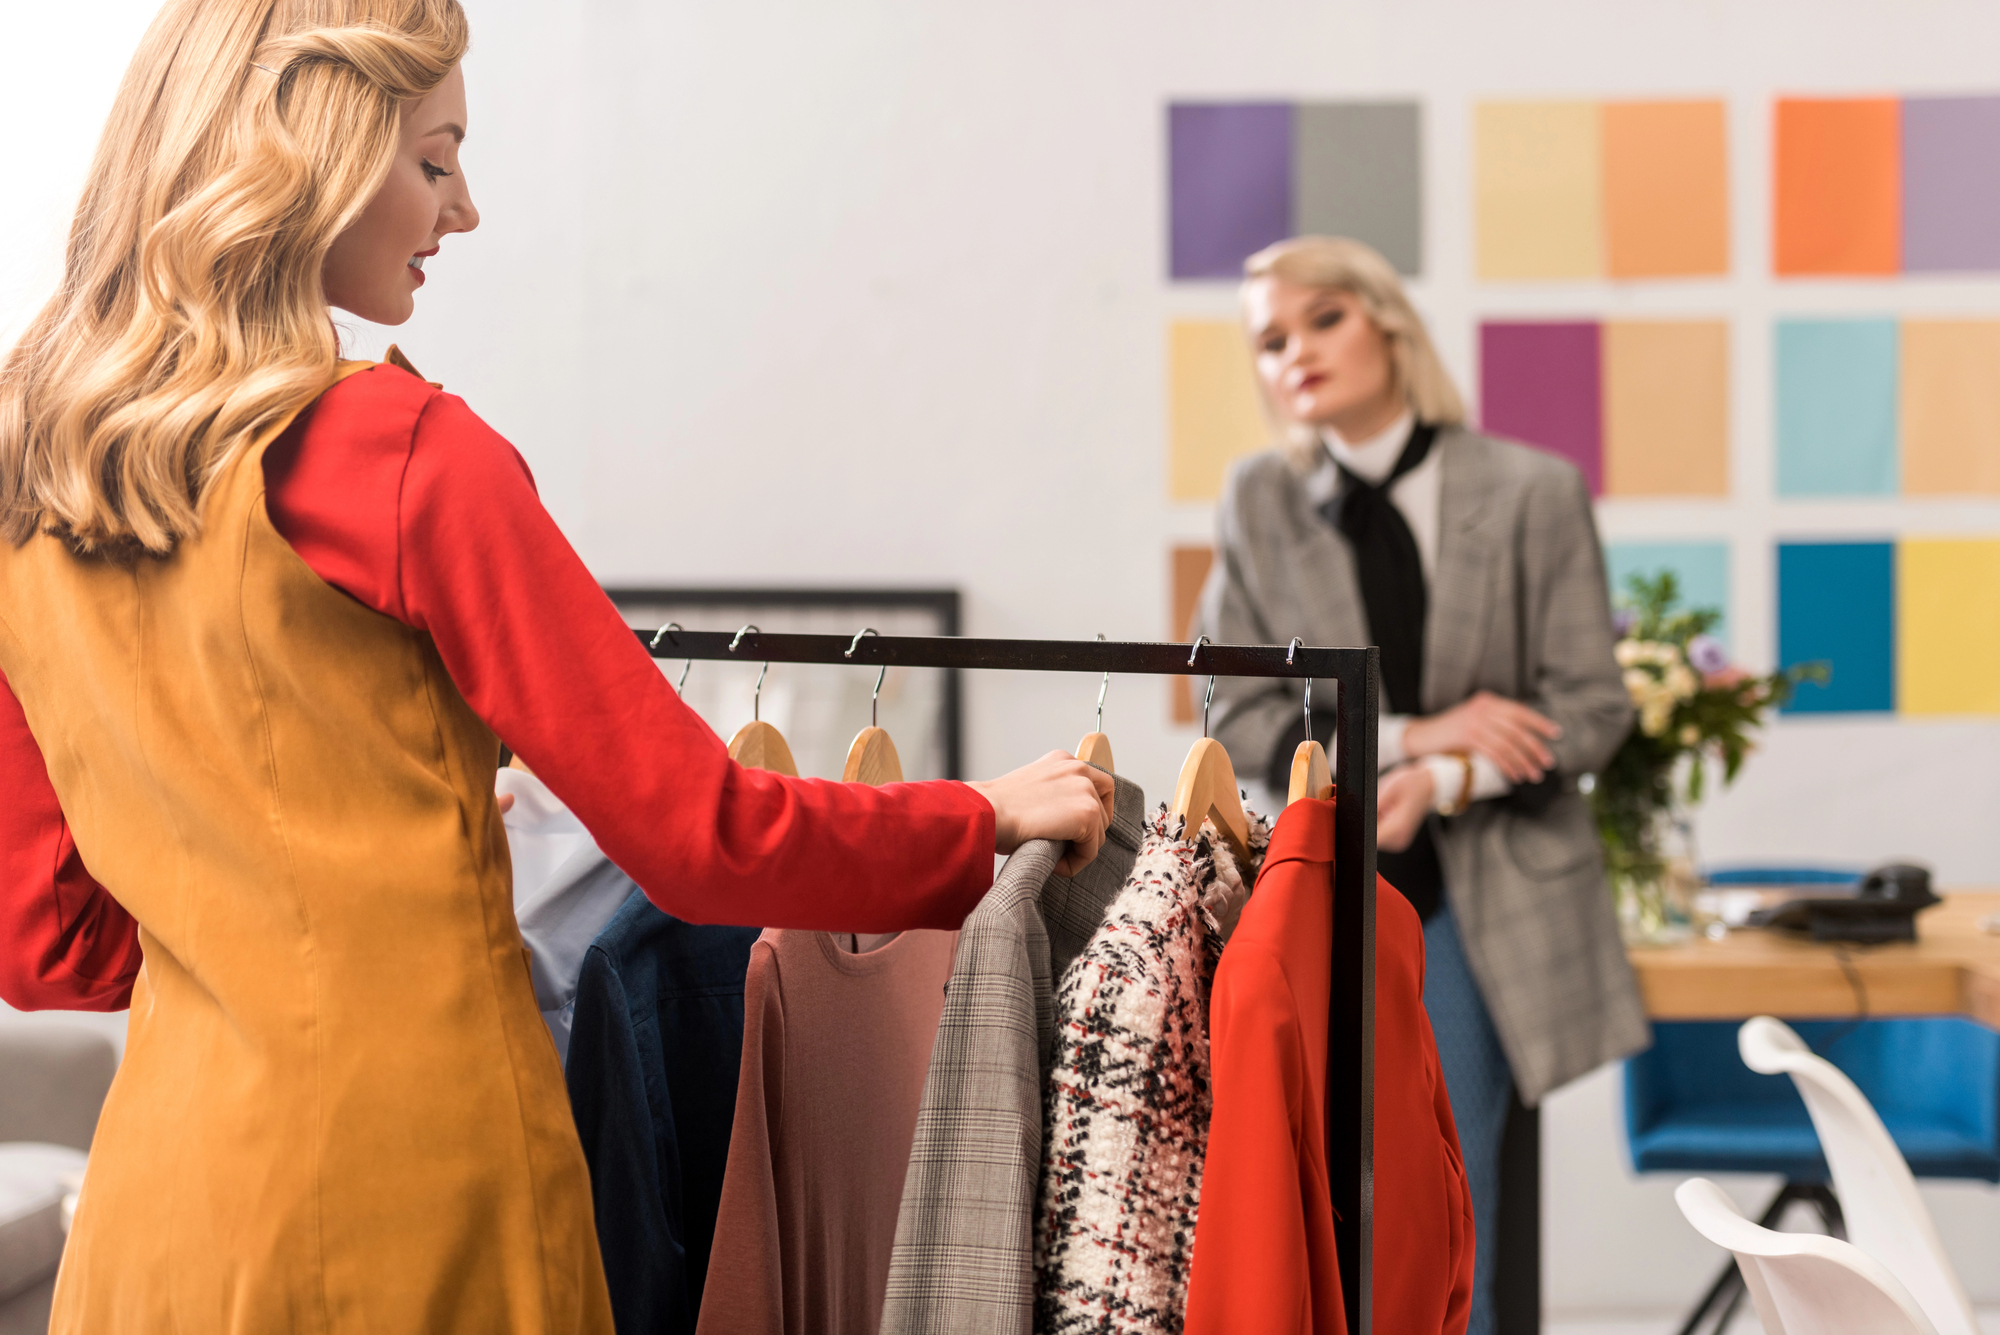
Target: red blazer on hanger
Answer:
pixel 1264 1255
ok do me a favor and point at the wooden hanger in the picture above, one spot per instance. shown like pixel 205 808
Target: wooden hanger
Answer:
pixel 1207 787
pixel 872 759
pixel 1095 748
pixel 1312 777
pixel 756 745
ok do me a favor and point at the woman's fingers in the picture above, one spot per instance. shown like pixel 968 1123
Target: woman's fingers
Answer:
pixel 1514 737
pixel 1057 797
pixel 1080 853
pixel 1515 754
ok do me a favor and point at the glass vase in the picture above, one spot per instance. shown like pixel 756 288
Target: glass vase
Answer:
pixel 1655 884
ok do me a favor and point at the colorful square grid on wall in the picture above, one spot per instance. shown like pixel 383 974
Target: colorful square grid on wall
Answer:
pixel 1640 406
pixel 1590 190
pixel 1885 185
pixel 1877 407
pixel 1242 175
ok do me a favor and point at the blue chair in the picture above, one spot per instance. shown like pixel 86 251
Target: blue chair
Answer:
pixel 1692 1106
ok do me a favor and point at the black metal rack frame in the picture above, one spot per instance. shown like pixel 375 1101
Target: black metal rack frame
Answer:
pixel 1357 673
pixel 944 605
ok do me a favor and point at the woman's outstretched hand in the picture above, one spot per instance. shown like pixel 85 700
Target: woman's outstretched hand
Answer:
pixel 1057 797
pixel 1507 732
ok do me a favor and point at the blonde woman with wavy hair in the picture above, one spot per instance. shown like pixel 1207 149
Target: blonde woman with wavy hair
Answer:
pixel 1473 564
pixel 265 615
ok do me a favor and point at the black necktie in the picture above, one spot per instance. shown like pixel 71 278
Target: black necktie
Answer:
pixel 1390 571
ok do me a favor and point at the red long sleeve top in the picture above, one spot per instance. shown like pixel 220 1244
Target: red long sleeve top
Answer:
pixel 399 496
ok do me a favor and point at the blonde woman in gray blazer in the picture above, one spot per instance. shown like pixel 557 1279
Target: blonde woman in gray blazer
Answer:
pixel 1474 564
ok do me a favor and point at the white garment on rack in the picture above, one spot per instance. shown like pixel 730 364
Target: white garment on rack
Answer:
pixel 565 891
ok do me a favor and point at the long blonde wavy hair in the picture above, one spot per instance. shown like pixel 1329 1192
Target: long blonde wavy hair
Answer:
pixel 1350 266
pixel 247 134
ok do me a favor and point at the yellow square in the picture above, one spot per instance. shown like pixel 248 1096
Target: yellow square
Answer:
pixel 1948 626
pixel 1539 188
pixel 1214 411
pixel 1951 407
pixel 1666 408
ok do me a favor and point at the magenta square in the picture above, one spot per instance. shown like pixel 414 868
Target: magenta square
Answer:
pixel 1539 383
pixel 1951 183
pixel 1229 184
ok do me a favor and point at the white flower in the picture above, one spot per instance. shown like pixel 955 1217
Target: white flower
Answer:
pixel 1639 684
pixel 1655 715
pixel 1683 682
pixel 1690 735
pixel 1629 653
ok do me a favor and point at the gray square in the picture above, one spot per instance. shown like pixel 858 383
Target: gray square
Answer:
pixel 1357 170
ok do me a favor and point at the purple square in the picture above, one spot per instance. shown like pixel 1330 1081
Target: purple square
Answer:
pixel 1539 384
pixel 1951 183
pixel 1230 183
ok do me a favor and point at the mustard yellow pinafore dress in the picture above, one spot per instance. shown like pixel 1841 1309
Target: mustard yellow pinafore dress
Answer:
pixel 339 1110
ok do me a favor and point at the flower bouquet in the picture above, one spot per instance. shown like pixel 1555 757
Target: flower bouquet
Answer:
pixel 1694 706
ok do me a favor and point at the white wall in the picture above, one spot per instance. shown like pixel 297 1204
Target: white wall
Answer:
pixel 871 292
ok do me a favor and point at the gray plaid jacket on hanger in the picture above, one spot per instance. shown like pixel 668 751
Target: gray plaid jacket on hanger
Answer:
pixel 964 1255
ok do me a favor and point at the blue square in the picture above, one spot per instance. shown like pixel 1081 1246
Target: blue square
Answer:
pixel 1837 605
pixel 1837 408
pixel 1701 567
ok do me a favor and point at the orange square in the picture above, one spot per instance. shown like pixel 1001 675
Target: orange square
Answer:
pixel 1950 407
pixel 1666 189
pixel 1839 186
pixel 1666 408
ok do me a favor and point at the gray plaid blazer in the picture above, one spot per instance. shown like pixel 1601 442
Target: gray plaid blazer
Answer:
pixel 964 1256
pixel 1517 606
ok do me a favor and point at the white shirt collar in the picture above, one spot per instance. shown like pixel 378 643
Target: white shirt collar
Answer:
pixel 1373 458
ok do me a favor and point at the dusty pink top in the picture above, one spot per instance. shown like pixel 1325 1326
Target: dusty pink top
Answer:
pixel 835 1046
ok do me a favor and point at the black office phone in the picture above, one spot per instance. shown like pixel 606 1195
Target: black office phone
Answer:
pixel 1883 908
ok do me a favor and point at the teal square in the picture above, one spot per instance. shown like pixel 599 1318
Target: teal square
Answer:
pixel 1702 569
pixel 1837 408
pixel 1837 606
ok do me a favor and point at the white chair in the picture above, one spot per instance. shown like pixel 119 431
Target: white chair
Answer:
pixel 1804 1283
pixel 1878 1196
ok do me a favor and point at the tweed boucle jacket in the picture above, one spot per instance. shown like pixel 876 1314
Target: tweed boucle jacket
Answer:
pixel 1128 1097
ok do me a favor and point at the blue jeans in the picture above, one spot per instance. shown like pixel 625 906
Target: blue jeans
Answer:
pixel 1480 1083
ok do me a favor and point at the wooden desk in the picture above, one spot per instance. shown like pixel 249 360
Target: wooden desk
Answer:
pixel 1952 968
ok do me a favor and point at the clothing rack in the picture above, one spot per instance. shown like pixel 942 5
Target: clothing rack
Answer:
pixel 1357 676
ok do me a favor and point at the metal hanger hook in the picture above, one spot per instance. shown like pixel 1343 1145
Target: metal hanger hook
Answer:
pixel 1102 687
pixel 1193 654
pixel 680 687
pixel 875 699
pixel 1291 649
pixel 757 694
